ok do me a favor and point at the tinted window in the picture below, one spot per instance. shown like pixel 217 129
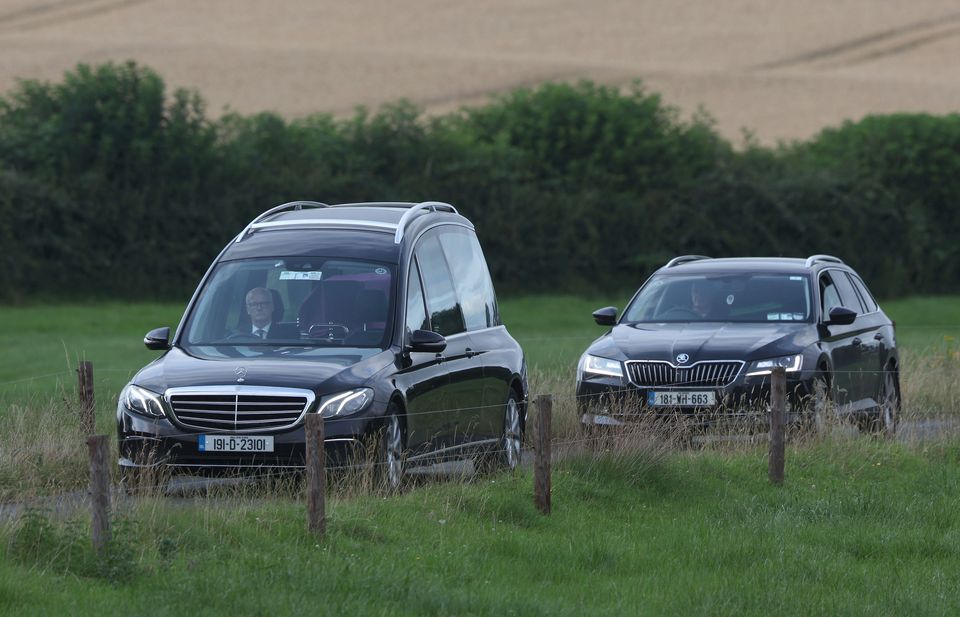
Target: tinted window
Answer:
pixel 470 277
pixel 442 305
pixel 848 295
pixel 829 295
pixel 870 305
pixel 416 313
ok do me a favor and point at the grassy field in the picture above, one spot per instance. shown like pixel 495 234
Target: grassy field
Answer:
pixel 861 528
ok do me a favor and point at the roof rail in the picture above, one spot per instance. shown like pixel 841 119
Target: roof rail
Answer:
pixel 815 258
pixel 676 261
pixel 290 205
pixel 433 206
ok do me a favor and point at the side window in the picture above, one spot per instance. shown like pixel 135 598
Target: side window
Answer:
pixel 416 313
pixel 848 295
pixel 442 306
pixel 829 296
pixel 870 305
pixel 470 277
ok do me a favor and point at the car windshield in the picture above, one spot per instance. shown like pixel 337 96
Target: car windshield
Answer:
pixel 302 302
pixel 742 297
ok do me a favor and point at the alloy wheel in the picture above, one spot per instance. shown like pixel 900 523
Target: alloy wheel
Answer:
pixel 511 434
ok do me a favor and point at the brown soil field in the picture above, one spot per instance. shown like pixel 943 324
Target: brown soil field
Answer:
pixel 780 70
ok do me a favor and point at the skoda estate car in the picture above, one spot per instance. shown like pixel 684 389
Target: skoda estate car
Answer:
pixel 379 317
pixel 700 338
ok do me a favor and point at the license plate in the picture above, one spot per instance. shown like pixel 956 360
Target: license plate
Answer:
pixel 681 399
pixel 236 443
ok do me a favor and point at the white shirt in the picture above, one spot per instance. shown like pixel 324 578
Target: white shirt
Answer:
pixel 266 330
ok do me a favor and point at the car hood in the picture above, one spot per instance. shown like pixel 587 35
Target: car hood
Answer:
pixel 207 367
pixel 703 341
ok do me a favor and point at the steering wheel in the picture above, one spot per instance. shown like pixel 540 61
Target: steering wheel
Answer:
pixel 237 337
pixel 677 312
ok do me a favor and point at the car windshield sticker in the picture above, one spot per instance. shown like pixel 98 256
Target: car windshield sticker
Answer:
pixel 798 316
pixel 786 317
pixel 381 271
pixel 730 299
pixel 288 275
pixel 796 278
pixel 773 316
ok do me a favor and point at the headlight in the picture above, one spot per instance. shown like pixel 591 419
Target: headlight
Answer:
pixel 143 402
pixel 345 403
pixel 764 367
pixel 595 365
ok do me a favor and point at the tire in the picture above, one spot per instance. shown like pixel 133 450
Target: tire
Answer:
pixel 818 411
pixel 506 454
pixel 511 439
pixel 884 422
pixel 391 451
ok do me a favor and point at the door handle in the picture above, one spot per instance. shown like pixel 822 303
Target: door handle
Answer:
pixel 878 336
pixel 471 353
pixel 857 342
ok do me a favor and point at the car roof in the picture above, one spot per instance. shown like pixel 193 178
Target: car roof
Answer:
pixel 368 230
pixel 749 264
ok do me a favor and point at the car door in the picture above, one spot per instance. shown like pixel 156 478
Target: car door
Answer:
pixel 839 341
pixel 457 424
pixel 873 343
pixel 422 376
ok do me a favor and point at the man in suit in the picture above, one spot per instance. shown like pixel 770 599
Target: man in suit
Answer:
pixel 260 308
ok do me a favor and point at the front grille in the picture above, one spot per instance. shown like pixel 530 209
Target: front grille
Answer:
pixel 706 374
pixel 238 409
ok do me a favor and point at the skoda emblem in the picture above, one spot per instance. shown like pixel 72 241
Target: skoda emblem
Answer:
pixel 682 358
pixel 241 372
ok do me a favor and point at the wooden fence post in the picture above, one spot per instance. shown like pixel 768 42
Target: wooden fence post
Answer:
pixel 541 468
pixel 778 404
pixel 99 449
pixel 87 401
pixel 316 476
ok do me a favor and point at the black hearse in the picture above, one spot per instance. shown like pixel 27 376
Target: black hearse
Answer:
pixel 380 317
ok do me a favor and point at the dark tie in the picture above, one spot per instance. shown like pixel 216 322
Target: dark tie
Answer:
pixel 261 333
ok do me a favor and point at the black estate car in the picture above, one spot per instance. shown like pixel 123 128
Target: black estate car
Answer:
pixel 701 336
pixel 380 317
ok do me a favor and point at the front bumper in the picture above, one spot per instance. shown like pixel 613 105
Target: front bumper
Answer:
pixel 612 401
pixel 158 442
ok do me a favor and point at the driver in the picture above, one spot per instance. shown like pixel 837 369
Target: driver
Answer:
pixel 702 300
pixel 260 306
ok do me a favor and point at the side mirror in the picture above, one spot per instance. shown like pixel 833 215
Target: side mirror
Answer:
pixel 607 316
pixel 427 341
pixel 158 339
pixel 841 316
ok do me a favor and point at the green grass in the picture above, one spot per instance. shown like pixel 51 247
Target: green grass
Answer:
pixel 862 527
pixel 869 528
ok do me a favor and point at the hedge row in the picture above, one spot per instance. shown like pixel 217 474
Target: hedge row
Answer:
pixel 111 187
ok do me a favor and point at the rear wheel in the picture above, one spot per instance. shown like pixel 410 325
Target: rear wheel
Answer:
pixel 885 421
pixel 506 454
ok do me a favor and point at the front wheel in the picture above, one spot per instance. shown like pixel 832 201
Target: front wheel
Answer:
pixel 818 407
pixel 390 451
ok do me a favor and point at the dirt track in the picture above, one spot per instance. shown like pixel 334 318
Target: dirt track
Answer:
pixel 781 71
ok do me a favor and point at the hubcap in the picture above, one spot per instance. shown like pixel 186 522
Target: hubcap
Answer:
pixel 394 448
pixel 511 434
